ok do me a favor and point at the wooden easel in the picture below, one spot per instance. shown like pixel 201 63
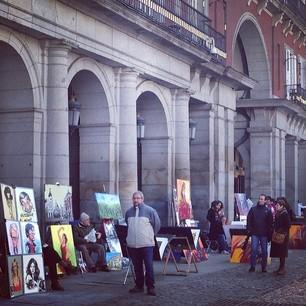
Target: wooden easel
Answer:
pixel 190 261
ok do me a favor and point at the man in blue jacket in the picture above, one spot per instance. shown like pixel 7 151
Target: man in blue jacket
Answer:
pixel 260 227
pixel 143 224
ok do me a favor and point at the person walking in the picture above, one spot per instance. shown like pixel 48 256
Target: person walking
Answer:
pixel 280 237
pixel 143 224
pixel 259 227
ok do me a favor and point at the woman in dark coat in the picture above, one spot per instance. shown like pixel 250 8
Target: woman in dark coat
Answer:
pixel 281 225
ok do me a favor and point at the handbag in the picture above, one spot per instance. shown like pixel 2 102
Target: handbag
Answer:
pixel 278 238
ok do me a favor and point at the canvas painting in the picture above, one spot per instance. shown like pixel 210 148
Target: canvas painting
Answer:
pixel 195 235
pixel 114 260
pixel 25 204
pixel 162 244
pixel 63 244
pixel 14 264
pixel 241 249
pixel 33 274
pixel 8 201
pixel 297 237
pixel 13 237
pixel 31 242
pixel 183 197
pixel 58 203
pixel 109 206
pixel 243 204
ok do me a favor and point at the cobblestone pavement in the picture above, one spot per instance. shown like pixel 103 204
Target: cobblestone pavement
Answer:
pixel 217 283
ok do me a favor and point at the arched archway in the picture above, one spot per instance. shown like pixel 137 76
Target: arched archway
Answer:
pixel 18 155
pixel 91 147
pixel 155 158
pixel 250 55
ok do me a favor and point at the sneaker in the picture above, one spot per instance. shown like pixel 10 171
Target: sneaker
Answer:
pixel 151 291
pixel 136 290
pixel 252 269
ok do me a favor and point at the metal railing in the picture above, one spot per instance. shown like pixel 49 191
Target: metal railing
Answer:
pixel 296 6
pixel 171 14
pixel 296 93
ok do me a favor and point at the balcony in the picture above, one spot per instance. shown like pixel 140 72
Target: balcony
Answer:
pixel 183 21
pixel 296 93
pixel 296 6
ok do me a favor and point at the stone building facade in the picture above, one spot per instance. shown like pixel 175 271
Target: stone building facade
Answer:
pixel 168 63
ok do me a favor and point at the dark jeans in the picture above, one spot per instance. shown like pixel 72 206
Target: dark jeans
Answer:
pixel 263 241
pixel 140 256
pixel 87 249
pixel 51 258
pixel 223 246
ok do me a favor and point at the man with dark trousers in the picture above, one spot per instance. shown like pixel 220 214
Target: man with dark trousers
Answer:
pixel 260 228
pixel 143 224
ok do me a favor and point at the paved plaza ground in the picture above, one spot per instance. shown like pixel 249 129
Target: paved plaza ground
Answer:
pixel 217 283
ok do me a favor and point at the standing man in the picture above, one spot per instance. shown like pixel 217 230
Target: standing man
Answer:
pixel 143 224
pixel 260 228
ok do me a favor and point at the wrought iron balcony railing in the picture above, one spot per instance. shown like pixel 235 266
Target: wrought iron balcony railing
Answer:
pixel 296 93
pixel 296 6
pixel 184 21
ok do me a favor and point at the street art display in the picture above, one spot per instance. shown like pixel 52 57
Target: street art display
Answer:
pixel 33 274
pixel 25 204
pixel 8 201
pixel 199 253
pixel 13 237
pixel 58 203
pixel 15 276
pixel 241 249
pixel 109 206
pixel 63 244
pixel 31 242
pixel 183 198
pixel 114 261
pixel 297 237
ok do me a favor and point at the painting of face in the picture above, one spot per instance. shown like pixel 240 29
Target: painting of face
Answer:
pixel 15 275
pixel 13 237
pixel 9 204
pixel 25 203
pixel 31 242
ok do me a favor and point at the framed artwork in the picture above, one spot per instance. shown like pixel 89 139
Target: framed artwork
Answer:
pixel 183 198
pixel 14 264
pixel 111 237
pixel 241 249
pixel 8 201
pixel 33 274
pixel 297 237
pixel 109 206
pixel 13 237
pixel 162 244
pixel 58 203
pixel 195 235
pixel 63 244
pixel 25 204
pixel 31 242
pixel 114 260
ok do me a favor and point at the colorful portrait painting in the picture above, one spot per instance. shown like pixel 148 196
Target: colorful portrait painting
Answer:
pixel 58 203
pixel 63 244
pixel 14 264
pixel 109 206
pixel 31 242
pixel 33 274
pixel 183 197
pixel 297 237
pixel 25 204
pixel 8 201
pixel 13 237
pixel 241 249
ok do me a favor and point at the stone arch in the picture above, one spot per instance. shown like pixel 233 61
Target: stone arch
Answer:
pixel 256 52
pixel 149 86
pixel 23 50
pixel 88 64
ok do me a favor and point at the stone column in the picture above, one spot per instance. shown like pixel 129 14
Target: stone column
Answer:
pixel 302 171
pixel 261 161
pixel 282 158
pixel 220 135
pixel 182 155
pixel 57 130
pixel 127 137
pixel 229 164
pixel 292 170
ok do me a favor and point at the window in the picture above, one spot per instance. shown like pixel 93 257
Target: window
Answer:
pixel 291 72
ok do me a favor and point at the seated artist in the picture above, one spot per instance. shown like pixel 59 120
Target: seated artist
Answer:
pixel 85 240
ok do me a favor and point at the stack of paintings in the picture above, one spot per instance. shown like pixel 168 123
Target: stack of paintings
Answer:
pixel 25 268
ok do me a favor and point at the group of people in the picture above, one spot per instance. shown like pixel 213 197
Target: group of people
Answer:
pixel 264 227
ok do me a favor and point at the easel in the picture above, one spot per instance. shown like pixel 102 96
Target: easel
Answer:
pixel 190 261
